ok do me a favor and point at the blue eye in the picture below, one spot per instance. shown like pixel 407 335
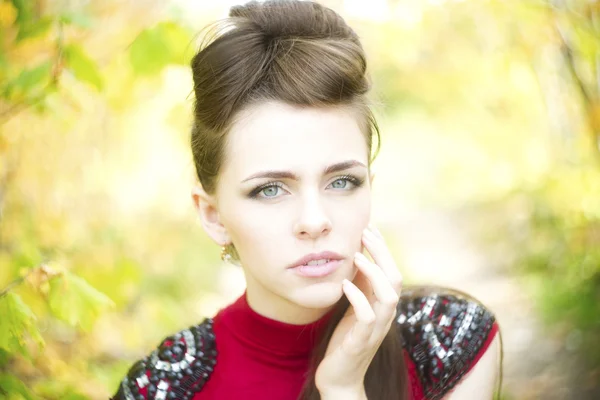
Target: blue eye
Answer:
pixel 271 189
pixel 357 182
pixel 345 181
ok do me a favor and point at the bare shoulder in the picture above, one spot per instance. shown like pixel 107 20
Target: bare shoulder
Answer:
pixel 452 340
pixel 482 378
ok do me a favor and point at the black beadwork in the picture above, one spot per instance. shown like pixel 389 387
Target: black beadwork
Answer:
pixel 443 331
pixel 177 369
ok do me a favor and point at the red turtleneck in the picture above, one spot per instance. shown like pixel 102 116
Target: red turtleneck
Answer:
pixel 445 334
pixel 261 358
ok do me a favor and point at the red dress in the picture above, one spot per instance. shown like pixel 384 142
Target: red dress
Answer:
pixel 240 354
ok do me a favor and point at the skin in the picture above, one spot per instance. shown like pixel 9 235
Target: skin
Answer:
pixel 311 211
pixel 374 297
pixel 482 378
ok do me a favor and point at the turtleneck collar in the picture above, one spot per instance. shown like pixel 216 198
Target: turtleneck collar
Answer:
pixel 269 336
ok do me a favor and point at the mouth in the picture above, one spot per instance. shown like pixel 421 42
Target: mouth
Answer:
pixel 321 258
pixel 317 262
pixel 315 268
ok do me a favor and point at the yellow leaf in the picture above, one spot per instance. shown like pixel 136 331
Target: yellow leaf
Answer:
pixel 40 275
pixel 8 14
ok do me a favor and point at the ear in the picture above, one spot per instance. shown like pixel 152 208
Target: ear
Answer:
pixel 206 206
pixel 371 175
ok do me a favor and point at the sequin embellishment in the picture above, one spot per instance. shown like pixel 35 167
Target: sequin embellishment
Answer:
pixel 177 369
pixel 443 333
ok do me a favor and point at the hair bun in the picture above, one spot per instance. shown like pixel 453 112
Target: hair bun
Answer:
pixel 293 18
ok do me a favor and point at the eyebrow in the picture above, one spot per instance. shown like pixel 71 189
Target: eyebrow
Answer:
pixel 290 175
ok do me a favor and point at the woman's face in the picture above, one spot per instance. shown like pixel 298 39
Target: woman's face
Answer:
pixel 277 203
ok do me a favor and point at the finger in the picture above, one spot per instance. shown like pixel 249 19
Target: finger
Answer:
pixel 365 316
pixel 387 299
pixel 364 285
pixel 383 258
pixel 375 230
pixel 375 244
pixel 381 330
pixel 385 293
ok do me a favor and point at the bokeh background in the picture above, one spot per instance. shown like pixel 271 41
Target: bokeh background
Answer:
pixel 488 180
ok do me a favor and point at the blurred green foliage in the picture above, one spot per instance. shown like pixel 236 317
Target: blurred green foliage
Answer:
pixel 552 225
pixel 552 231
pixel 52 248
pixel 491 105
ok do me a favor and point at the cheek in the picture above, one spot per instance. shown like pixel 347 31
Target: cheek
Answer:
pixel 258 229
pixel 351 219
pixel 253 230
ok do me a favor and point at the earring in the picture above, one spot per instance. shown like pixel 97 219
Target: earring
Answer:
pixel 225 256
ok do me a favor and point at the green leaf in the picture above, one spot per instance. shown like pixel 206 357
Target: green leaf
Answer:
pixel 35 29
pixel 82 66
pixel 77 19
pixel 27 81
pixel 11 385
pixel 75 301
pixel 24 14
pixel 149 53
pixel 51 388
pixel 4 358
pixel 155 48
pixel 29 24
pixel 179 41
pixel 17 320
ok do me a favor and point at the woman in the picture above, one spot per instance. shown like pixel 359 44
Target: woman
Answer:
pixel 282 143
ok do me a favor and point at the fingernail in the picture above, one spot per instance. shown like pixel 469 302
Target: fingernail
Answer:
pixel 375 230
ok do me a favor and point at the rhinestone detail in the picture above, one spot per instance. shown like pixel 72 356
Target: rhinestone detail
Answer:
pixel 443 331
pixel 177 369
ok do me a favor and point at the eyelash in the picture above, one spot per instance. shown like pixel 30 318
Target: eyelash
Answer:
pixel 357 182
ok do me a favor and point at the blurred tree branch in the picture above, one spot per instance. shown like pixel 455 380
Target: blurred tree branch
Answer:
pixel 590 94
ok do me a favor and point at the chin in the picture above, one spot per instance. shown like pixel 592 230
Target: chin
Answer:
pixel 318 295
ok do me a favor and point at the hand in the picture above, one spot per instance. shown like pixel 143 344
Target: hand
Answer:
pixel 373 297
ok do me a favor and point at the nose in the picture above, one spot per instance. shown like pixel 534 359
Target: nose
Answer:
pixel 313 220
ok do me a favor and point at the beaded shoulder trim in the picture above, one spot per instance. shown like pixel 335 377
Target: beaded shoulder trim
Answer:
pixel 177 369
pixel 443 331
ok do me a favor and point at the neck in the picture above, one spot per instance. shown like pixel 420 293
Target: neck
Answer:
pixel 273 306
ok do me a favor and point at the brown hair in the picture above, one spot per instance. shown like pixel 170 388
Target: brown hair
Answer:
pixel 303 54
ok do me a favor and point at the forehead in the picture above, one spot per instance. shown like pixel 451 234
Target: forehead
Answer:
pixel 274 135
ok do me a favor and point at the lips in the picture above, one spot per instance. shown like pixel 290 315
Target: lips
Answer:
pixel 317 271
pixel 325 255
